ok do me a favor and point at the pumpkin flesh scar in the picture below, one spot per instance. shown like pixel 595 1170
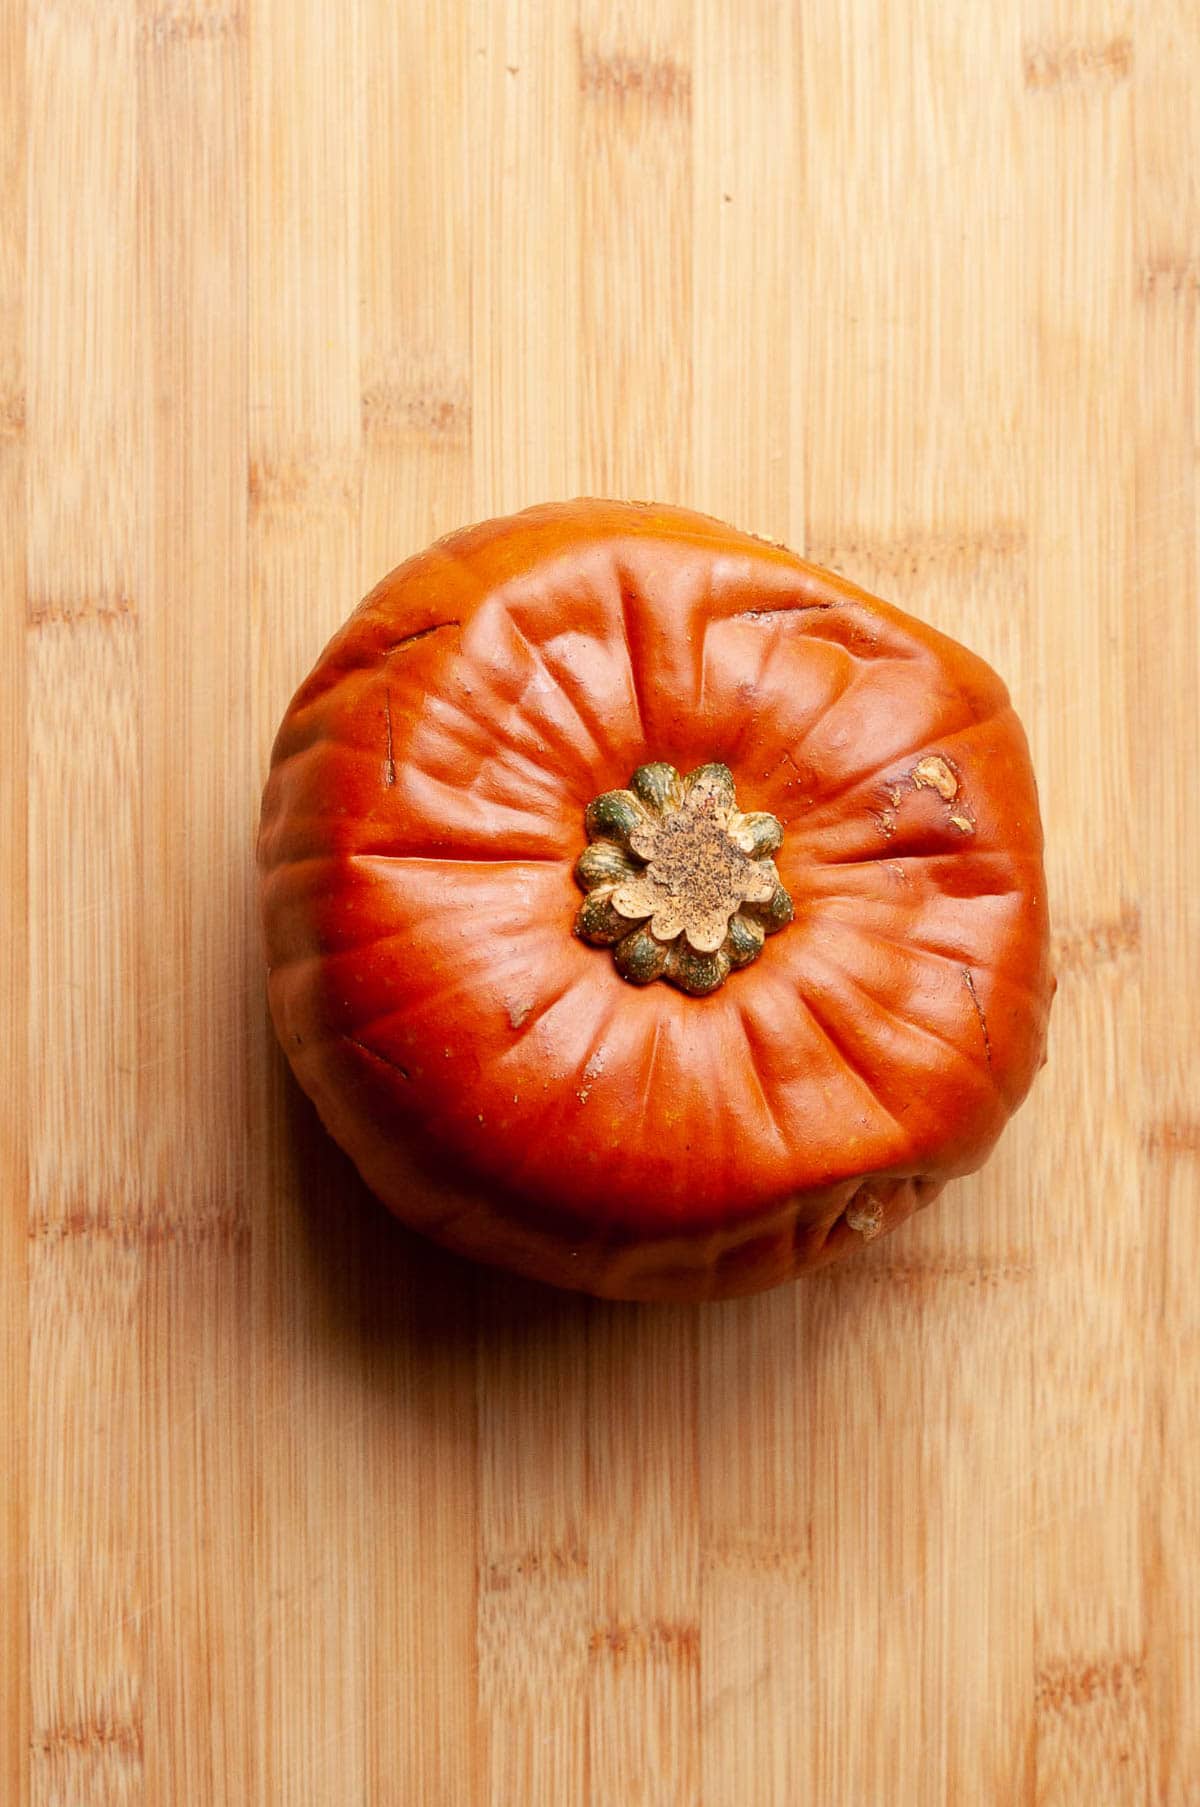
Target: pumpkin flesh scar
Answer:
pixel 680 882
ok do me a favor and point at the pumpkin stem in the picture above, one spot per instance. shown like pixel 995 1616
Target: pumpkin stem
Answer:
pixel 686 872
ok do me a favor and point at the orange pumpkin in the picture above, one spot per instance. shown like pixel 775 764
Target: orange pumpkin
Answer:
pixel 648 910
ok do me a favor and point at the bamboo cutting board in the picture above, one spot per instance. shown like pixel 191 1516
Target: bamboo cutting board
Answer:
pixel 297 1512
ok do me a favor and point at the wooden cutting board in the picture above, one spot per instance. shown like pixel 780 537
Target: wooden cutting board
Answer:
pixel 295 1510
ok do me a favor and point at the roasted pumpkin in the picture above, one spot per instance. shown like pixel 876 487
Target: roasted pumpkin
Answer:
pixel 648 910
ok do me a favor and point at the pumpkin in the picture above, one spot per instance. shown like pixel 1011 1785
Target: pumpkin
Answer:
pixel 648 910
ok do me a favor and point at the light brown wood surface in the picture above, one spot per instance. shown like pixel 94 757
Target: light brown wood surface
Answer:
pixel 294 1511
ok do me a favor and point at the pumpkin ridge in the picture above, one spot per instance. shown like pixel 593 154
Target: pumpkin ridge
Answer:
pixel 538 658
pixel 753 1067
pixel 628 594
pixel 925 1030
pixel 906 944
pixel 849 1059
pixel 595 725
pixel 873 774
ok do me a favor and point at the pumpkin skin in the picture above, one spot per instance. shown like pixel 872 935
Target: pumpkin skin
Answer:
pixel 497 1082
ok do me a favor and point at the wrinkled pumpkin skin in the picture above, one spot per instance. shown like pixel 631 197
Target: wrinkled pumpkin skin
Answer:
pixel 496 1081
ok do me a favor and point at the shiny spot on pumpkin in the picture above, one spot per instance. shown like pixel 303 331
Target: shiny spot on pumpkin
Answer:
pixel 680 882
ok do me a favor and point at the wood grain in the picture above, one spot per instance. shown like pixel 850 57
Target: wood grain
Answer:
pixel 294 1509
pixel 14 942
pixel 1165 633
pixel 198 1148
